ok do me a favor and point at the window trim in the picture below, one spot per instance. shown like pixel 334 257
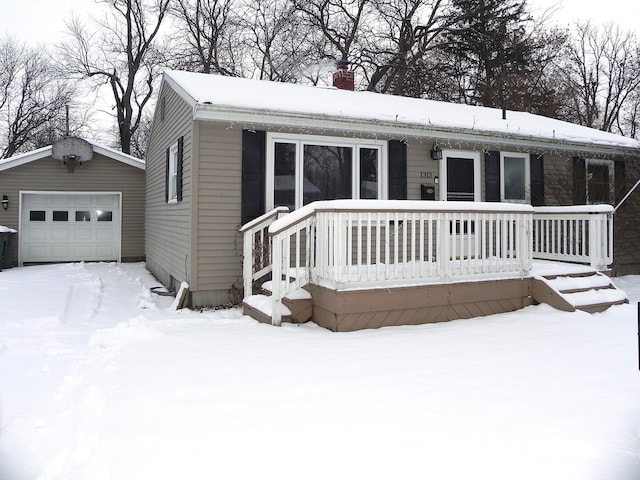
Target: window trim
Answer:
pixel 527 177
pixel 301 140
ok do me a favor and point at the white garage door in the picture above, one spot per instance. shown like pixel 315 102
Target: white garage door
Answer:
pixel 58 227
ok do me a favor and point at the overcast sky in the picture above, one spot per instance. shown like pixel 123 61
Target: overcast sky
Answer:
pixel 42 21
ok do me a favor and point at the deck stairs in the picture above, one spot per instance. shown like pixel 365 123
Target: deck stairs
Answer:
pixel 297 307
pixel 589 291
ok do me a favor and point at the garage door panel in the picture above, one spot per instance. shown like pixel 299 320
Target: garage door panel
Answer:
pixel 60 252
pixel 104 234
pixel 105 252
pixel 60 234
pixel 66 239
pixel 81 234
pixel 39 234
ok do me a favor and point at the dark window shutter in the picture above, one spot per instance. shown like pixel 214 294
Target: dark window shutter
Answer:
pixel 620 181
pixel 166 178
pixel 253 174
pixel 492 176
pixel 179 170
pixel 536 167
pixel 397 170
pixel 579 181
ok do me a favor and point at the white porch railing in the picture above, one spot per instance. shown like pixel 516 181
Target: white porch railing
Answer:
pixel 367 243
pixel 582 234
pixel 256 261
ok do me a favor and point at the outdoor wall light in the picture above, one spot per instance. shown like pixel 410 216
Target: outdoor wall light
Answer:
pixel 436 152
pixel 5 202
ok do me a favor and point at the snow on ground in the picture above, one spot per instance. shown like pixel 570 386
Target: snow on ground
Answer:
pixel 100 380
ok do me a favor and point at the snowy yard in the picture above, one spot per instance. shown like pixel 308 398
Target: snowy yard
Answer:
pixel 98 380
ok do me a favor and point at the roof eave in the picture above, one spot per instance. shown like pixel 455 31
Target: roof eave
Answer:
pixel 250 117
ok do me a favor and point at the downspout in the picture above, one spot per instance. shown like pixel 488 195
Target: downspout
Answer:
pixel 626 196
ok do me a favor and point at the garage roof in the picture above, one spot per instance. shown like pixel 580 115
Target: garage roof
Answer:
pixel 44 152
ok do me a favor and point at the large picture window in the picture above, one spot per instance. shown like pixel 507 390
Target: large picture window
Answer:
pixel 515 178
pixel 303 169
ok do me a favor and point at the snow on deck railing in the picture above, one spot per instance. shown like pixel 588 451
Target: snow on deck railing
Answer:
pixel 581 233
pixel 345 243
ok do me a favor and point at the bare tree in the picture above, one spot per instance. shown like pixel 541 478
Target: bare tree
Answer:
pixel 32 99
pixel 406 30
pixel 601 77
pixel 275 44
pixel 121 52
pixel 210 31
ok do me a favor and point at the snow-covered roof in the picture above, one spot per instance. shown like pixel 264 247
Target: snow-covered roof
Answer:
pixel 44 152
pixel 215 97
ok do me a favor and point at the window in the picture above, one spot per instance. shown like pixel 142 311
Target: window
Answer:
pixel 83 216
pixel 104 216
pixel 60 216
pixel 37 215
pixel 515 177
pixel 600 176
pixel 303 169
pixel 173 173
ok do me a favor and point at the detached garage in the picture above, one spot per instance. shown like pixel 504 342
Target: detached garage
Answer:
pixel 74 201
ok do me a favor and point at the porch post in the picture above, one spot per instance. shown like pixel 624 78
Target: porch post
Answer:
pixel 247 262
pixel 276 277
pixel 596 239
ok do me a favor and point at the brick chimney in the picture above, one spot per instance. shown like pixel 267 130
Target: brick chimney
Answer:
pixel 343 78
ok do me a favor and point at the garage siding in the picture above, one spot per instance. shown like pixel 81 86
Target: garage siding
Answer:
pixel 100 174
pixel 168 225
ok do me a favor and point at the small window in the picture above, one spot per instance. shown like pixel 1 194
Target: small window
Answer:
pixel 600 176
pixel 369 173
pixel 173 173
pixel 83 216
pixel 515 181
pixel 104 216
pixel 37 215
pixel 60 216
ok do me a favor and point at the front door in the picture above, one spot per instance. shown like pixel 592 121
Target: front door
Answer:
pixel 461 172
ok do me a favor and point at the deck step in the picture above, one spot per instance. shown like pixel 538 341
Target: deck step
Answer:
pixel 297 306
pixel 590 292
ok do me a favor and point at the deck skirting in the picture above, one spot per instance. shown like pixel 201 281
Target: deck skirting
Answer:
pixel 350 310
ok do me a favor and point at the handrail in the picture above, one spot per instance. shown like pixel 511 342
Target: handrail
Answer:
pixel 264 218
pixel 255 233
pixel 579 233
pixel 400 206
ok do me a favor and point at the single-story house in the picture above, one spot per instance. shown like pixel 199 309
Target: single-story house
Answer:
pixel 226 151
pixel 74 200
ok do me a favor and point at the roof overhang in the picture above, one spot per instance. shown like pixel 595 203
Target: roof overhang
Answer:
pixel 250 117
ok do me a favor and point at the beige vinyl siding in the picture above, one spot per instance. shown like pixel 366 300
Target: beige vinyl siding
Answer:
pixel 168 225
pixel 100 174
pixel 419 162
pixel 218 211
pixel 558 179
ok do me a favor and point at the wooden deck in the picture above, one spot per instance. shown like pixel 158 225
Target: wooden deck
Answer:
pixel 369 265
